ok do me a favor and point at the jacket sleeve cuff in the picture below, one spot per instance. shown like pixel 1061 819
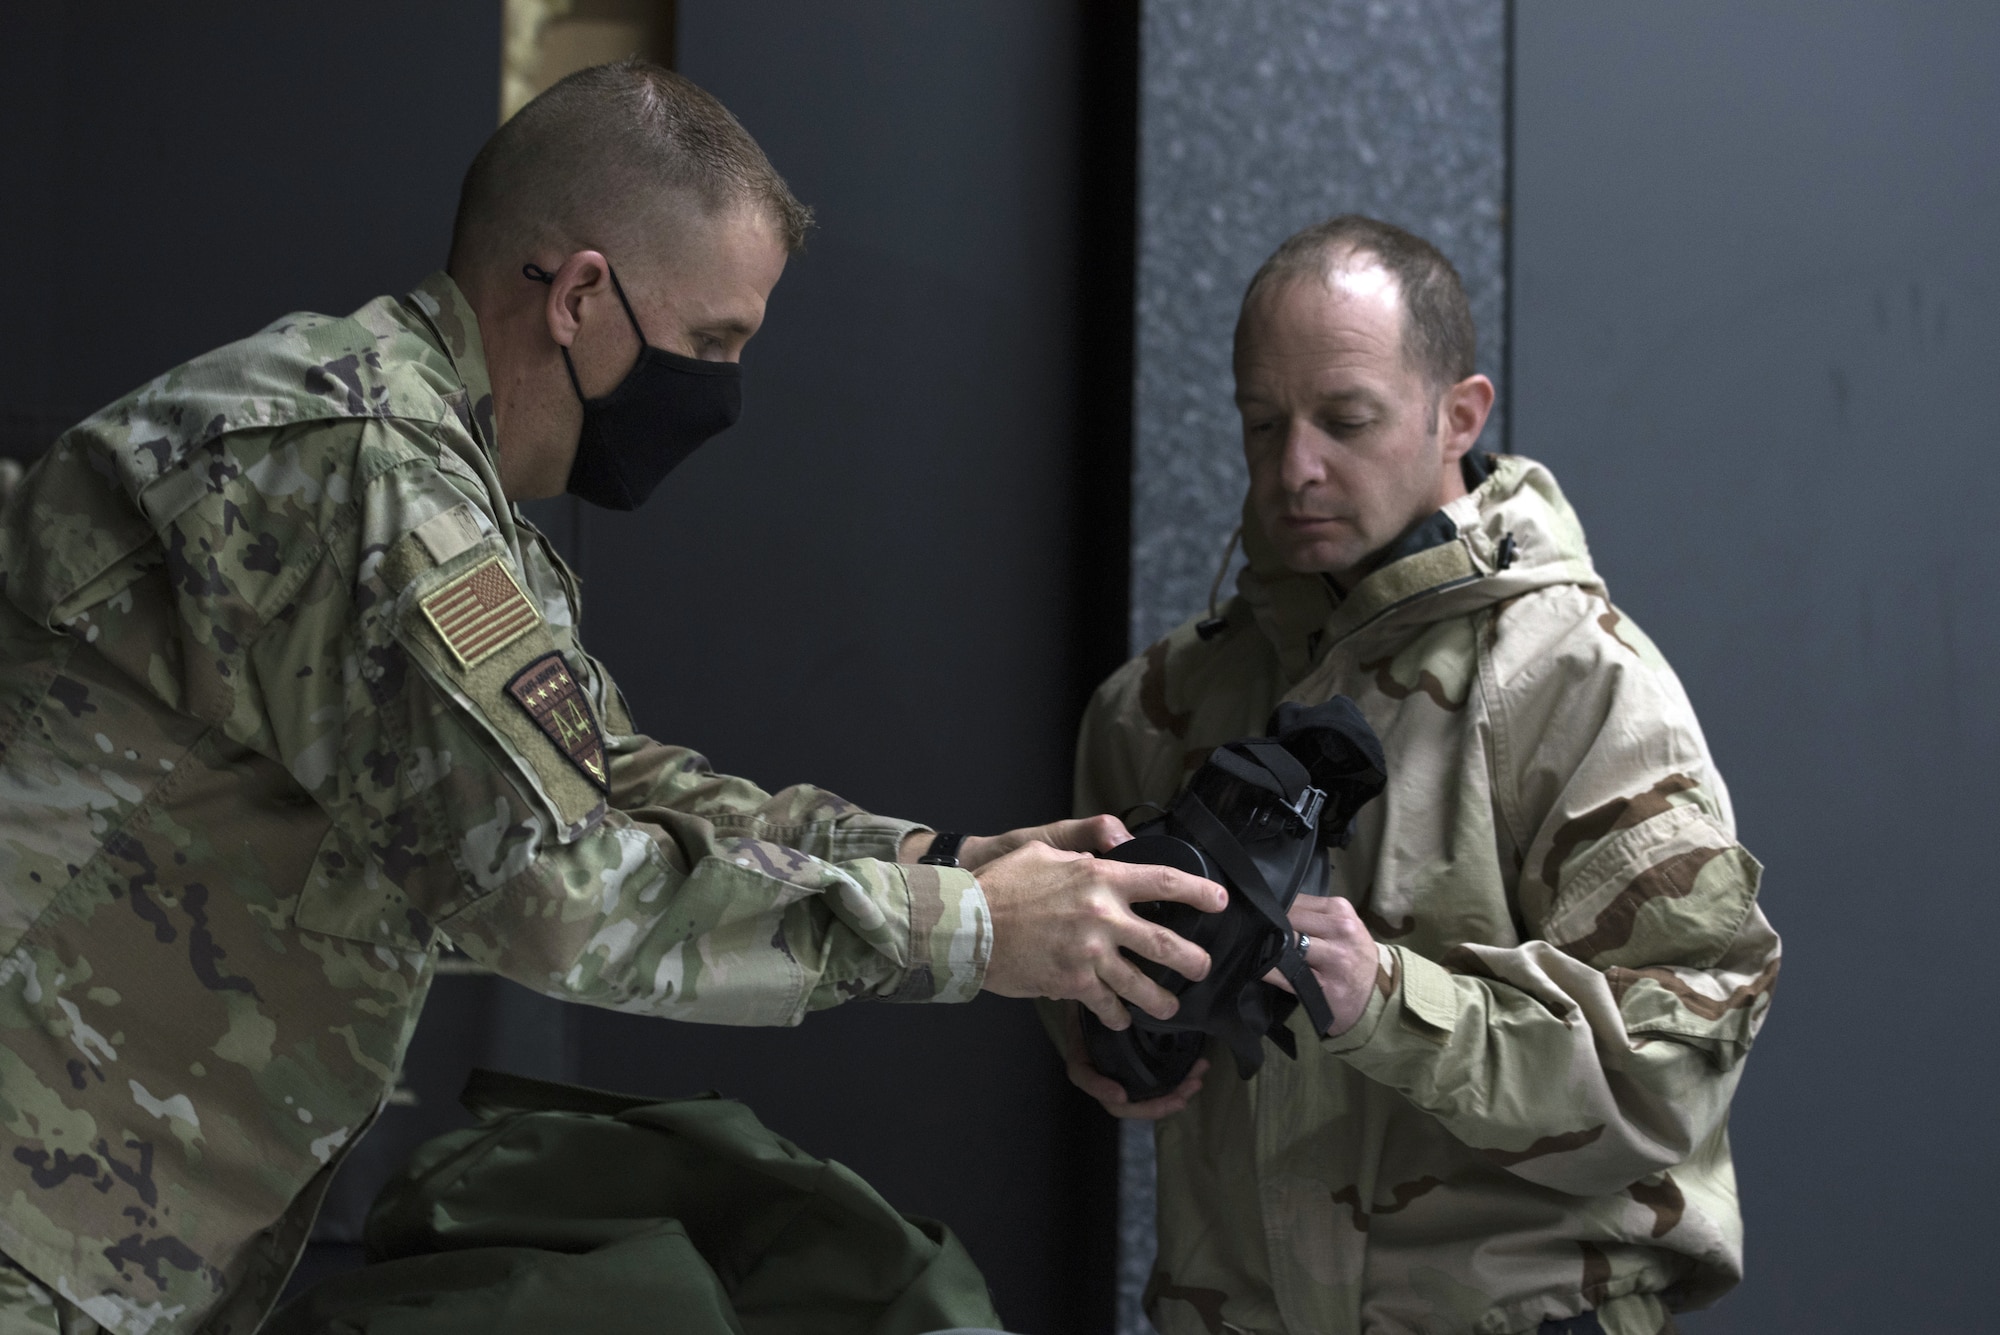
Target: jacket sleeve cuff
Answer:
pixel 951 933
pixel 1414 1001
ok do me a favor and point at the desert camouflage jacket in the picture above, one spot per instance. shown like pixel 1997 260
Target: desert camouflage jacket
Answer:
pixel 1530 1118
pixel 290 696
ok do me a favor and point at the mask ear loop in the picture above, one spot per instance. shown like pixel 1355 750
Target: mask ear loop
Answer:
pixel 541 275
pixel 536 273
pixel 619 288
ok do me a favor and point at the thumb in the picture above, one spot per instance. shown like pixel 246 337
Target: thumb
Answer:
pixel 1089 834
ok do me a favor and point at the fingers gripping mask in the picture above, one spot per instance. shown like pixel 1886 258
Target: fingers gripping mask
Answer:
pixel 660 413
pixel 1258 818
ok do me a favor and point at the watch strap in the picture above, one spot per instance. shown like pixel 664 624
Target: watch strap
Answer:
pixel 943 851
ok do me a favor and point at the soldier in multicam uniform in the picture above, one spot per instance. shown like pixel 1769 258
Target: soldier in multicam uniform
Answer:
pixel 1543 949
pixel 291 697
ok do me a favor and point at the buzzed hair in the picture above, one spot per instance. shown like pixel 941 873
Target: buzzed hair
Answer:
pixel 1439 338
pixel 598 157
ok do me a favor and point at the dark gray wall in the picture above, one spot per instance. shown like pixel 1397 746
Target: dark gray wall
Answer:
pixel 1756 320
pixel 883 580
pixel 179 176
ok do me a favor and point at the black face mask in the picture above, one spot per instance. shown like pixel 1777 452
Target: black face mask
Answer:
pixel 658 415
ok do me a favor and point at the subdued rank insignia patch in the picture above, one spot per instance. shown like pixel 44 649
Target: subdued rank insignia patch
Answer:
pixel 481 612
pixel 556 703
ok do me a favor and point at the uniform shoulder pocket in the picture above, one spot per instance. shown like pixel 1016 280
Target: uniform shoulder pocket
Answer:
pixel 1670 890
pixel 464 616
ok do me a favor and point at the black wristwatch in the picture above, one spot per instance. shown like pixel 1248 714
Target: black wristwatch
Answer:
pixel 943 851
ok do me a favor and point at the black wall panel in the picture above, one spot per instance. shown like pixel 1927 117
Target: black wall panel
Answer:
pixel 895 578
pixel 1756 316
pixel 178 176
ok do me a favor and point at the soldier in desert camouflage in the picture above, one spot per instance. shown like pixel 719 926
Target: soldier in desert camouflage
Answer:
pixel 291 696
pixel 1543 949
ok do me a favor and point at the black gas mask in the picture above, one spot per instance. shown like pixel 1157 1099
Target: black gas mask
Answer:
pixel 654 418
pixel 1258 819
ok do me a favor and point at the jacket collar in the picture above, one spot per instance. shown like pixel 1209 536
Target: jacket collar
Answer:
pixel 450 326
pixel 1512 533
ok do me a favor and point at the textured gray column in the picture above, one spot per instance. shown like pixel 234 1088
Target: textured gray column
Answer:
pixel 1258 117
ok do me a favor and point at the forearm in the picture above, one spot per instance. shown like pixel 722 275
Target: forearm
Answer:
pixel 696 895
pixel 646 774
pixel 749 932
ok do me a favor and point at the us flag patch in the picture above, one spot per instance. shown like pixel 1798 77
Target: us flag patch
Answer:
pixel 556 703
pixel 481 612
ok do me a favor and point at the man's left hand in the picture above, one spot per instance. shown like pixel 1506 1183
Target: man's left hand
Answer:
pixel 1341 954
pixel 1109 1092
pixel 1093 834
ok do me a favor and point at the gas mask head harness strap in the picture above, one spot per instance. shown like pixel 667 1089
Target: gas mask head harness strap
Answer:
pixel 1258 818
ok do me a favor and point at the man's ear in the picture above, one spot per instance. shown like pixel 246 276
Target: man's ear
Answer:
pixel 1462 413
pixel 583 277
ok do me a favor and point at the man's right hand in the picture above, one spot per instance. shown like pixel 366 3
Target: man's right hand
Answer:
pixel 1059 919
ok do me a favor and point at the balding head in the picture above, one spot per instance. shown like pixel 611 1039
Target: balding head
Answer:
pixel 611 158
pixel 1439 337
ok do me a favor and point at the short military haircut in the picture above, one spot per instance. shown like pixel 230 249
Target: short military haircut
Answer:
pixel 1439 338
pixel 601 159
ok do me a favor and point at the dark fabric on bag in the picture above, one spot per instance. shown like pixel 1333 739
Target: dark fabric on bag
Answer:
pixel 573 1209
pixel 1586 1324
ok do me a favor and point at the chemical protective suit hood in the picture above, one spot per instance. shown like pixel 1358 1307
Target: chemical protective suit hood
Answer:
pixel 1511 534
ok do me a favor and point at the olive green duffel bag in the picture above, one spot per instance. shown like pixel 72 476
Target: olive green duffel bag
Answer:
pixel 575 1209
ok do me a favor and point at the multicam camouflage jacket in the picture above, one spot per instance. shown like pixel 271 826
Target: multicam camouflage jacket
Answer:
pixel 1530 1118
pixel 290 697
